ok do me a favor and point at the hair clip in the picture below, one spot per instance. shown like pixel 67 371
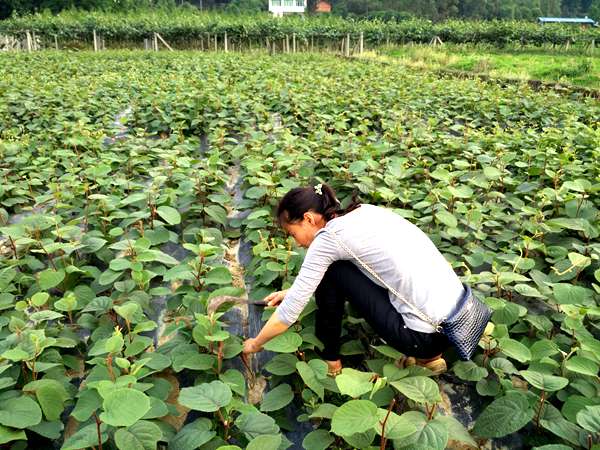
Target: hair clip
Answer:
pixel 318 188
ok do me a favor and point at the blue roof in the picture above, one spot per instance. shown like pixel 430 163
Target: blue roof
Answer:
pixel 566 20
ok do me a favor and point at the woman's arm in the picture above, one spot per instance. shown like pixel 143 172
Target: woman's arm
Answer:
pixel 322 252
pixel 273 327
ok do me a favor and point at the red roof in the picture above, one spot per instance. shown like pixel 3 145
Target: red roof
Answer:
pixel 323 6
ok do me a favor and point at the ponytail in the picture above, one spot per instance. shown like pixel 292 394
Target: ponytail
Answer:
pixel 320 199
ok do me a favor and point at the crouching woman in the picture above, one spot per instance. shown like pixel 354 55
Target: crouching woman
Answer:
pixel 357 254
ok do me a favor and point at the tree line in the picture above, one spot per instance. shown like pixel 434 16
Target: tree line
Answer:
pixel 383 9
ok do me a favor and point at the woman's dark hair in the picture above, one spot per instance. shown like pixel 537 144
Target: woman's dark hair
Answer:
pixel 299 200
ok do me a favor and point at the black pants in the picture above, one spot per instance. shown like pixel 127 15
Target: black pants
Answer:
pixel 344 281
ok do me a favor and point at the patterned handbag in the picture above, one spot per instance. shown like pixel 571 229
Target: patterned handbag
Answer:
pixel 463 327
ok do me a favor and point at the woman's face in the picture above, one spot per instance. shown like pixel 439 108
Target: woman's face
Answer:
pixel 304 231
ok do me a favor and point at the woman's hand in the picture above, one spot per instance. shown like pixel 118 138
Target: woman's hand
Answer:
pixel 275 298
pixel 251 346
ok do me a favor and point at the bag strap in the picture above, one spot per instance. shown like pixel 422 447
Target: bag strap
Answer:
pixel 417 311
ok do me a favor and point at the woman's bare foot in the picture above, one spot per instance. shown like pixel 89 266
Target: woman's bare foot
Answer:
pixel 334 367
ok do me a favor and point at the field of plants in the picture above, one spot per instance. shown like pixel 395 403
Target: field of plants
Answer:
pixel 182 27
pixel 130 180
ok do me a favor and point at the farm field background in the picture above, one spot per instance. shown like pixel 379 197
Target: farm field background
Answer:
pixel 132 180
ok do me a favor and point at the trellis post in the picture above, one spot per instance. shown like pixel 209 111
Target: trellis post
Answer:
pixel 225 43
pixel 294 43
pixel 163 41
pixel 347 52
pixel 361 46
pixel 55 42
pixel 28 38
pixel 95 40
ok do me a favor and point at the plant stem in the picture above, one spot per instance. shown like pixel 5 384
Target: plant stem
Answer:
pixel 383 438
pixel 13 246
pixel 109 359
pixel 98 431
pixel 225 424
pixel 49 257
pixel 220 356
pixel 540 409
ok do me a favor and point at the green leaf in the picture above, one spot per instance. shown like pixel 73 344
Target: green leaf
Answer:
pixel 492 173
pixel 553 421
pixel 514 349
pixel 430 434
pixel 207 397
pixel 109 277
pixel 217 213
pixel 584 366
pixel 324 410
pixel 589 418
pixel 8 435
pixel 39 299
pixel 124 406
pixel 235 380
pixel 354 383
pixel 446 218
pixel 256 192
pixel 317 440
pixel 576 403
pixel 169 214
pixel 457 431
pixel 396 427
pixel 360 440
pixel 193 361
pixel 355 416
pixel 142 435
pixel 461 191
pixel 503 416
pixel 20 412
pixel 218 275
pixel 388 351
pixel 287 342
pixel 16 354
pixel 310 379
pixel 544 382
pixel 51 396
pixel 265 442
pixel 86 437
pixel 41 316
pixel 469 371
pixel 569 294
pixel 419 389
pixel 88 402
pixel 127 311
pixel 254 423
pixel 192 436
pixel 50 278
pixel 282 364
pixel 528 291
pixel 50 430
pixel 277 398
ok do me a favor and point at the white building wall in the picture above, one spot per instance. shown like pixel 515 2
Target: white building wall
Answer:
pixel 281 7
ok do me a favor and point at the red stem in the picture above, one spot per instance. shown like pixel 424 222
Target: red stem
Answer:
pixel 383 438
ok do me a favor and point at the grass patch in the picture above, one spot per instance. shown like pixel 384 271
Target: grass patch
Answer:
pixel 575 68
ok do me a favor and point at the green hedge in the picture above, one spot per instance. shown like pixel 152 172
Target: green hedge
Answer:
pixel 178 25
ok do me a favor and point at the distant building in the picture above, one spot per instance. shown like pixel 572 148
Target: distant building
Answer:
pixel 323 6
pixel 281 7
pixel 586 21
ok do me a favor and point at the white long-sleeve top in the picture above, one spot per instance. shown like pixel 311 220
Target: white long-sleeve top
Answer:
pixel 398 251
